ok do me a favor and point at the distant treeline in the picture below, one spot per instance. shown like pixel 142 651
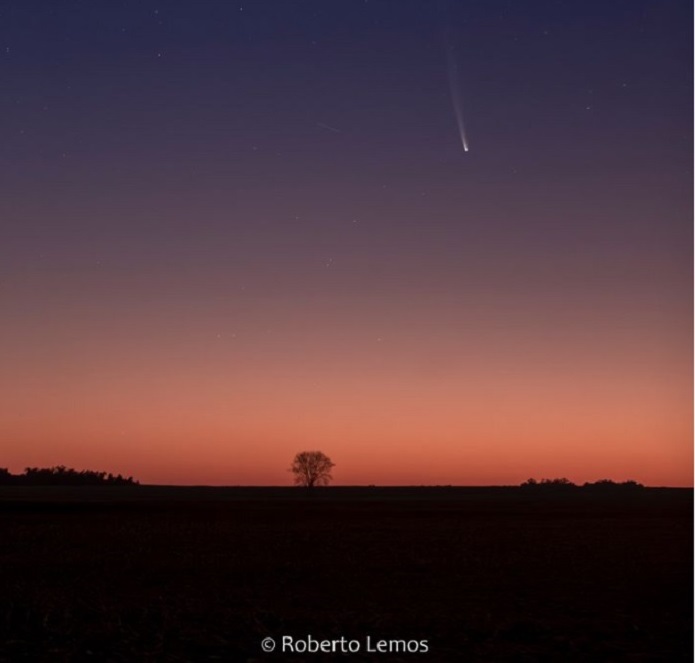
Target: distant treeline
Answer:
pixel 602 484
pixel 62 476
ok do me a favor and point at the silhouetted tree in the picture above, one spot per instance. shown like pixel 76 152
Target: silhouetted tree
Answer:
pixel 631 483
pixel 609 484
pixel 312 468
pixel 63 476
pixel 557 482
pixel 549 483
pixel 601 484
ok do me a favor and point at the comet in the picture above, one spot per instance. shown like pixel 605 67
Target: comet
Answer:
pixel 455 89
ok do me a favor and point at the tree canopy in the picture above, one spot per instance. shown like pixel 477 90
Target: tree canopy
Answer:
pixel 312 468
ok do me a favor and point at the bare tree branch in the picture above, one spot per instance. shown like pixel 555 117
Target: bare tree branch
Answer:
pixel 312 468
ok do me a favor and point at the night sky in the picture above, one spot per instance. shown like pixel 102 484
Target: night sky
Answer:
pixel 234 231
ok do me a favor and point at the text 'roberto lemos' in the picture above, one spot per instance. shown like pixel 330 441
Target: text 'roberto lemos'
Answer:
pixel 310 645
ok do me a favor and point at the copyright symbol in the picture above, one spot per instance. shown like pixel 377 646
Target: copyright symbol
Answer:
pixel 267 644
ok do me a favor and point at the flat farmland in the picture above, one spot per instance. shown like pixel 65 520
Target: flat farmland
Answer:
pixel 479 574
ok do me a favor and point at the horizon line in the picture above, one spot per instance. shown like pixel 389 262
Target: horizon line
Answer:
pixel 433 485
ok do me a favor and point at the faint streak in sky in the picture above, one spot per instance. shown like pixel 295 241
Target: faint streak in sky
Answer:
pixel 455 89
pixel 328 127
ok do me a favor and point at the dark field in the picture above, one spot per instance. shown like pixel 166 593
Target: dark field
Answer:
pixel 489 574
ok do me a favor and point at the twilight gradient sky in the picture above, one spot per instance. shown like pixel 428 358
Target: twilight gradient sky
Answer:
pixel 233 231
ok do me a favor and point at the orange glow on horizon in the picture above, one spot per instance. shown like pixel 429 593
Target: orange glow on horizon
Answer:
pixel 492 399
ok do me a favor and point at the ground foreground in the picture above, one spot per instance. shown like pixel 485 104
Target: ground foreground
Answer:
pixel 176 574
